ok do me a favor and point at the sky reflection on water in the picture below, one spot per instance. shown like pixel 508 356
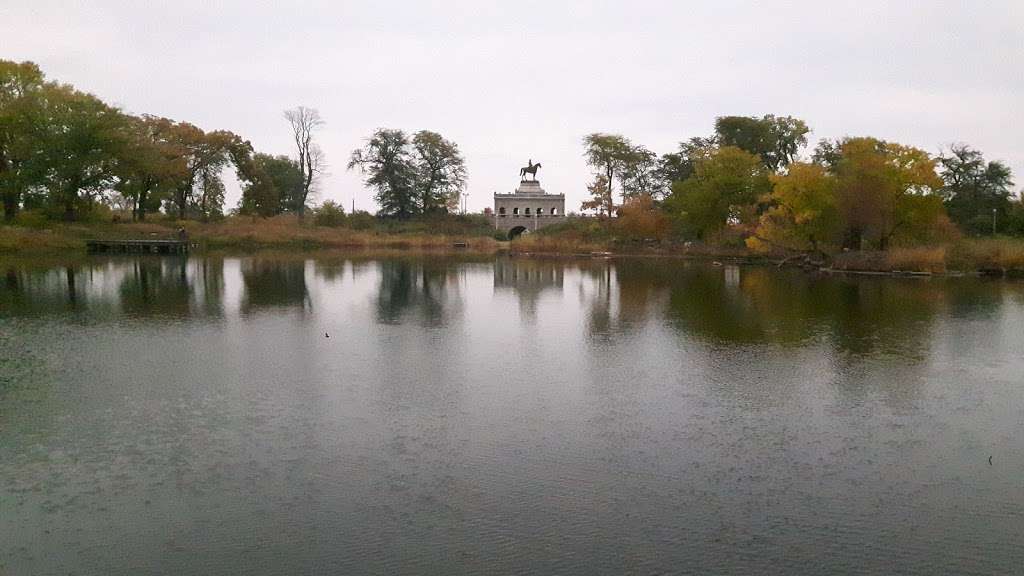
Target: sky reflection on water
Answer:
pixel 163 415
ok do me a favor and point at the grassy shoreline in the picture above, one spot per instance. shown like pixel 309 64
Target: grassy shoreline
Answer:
pixel 991 256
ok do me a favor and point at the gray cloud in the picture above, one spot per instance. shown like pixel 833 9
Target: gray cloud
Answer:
pixel 509 81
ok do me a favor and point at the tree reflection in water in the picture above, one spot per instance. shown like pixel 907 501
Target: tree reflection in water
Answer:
pixel 274 283
pixel 757 305
pixel 422 289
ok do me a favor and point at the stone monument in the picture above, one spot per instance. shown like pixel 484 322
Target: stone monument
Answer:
pixel 529 207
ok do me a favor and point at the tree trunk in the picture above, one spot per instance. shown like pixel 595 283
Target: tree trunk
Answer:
pixel 10 206
pixel 140 207
pixel 610 201
pixel 852 240
pixel 10 196
pixel 70 196
pixel 180 201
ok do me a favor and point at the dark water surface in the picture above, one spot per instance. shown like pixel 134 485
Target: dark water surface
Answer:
pixel 170 416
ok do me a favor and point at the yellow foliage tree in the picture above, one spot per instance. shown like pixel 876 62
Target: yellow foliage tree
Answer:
pixel 804 213
pixel 886 190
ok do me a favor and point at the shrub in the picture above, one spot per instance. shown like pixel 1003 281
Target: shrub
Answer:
pixel 640 219
pixel 330 213
pixel 31 219
pixel 362 220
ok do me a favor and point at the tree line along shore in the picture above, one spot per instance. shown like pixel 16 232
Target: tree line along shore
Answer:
pixel 74 167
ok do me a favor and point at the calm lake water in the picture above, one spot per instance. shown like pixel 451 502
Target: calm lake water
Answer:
pixel 505 416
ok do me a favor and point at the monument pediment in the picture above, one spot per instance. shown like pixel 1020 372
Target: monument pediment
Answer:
pixel 530 187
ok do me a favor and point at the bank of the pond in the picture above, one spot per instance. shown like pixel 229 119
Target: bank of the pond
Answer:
pixel 990 257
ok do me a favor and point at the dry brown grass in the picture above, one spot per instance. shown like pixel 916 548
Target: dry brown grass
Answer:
pixel 928 259
pixel 965 255
pixel 19 240
pixel 541 244
pixel 918 259
pixel 279 233
pixel 243 234
pixel 987 254
pixel 285 233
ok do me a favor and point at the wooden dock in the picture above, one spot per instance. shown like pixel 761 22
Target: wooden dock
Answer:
pixel 138 246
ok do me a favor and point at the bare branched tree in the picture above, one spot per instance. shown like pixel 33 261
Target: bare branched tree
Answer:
pixel 311 160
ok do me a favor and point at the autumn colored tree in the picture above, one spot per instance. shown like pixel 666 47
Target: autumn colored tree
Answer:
pixel 724 187
pixel 66 151
pixel 151 165
pixel 640 218
pixel 884 190
pixel 804 213
pixel 600 197
pixel 200 193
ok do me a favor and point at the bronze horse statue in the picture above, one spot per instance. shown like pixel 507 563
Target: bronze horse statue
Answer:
pixel 530 169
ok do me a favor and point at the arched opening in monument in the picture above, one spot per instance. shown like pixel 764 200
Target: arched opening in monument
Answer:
pixel 515 211
pixel 516 232
pixel 554 211
pixel 540 211
pixel 501 211
pixel 527 211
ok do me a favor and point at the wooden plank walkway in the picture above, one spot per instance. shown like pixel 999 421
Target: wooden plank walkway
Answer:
pixel 138 246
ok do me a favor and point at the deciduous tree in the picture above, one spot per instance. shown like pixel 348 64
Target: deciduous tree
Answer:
pixel 388 167
pixel 639 175
pixel 725 184
pixel 775 139
pixel 804 214
pixel 150 166
pixel 885 189
pixel 311 161
pixel 640 218
pixel 600 197
pixel 440 172
pixel 21 87
pixel 79 144
pixel 608 155
pixel 274 187
pixel 975 191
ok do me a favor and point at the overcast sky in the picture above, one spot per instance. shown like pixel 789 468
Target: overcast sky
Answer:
pixel 510 81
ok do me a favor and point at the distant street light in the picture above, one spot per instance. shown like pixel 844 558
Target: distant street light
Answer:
pixel 993 221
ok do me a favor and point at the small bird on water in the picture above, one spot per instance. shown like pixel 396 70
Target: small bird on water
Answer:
pixel 326 335
pixel 989 460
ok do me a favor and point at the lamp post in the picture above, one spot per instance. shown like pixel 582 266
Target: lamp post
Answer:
pixel 993 221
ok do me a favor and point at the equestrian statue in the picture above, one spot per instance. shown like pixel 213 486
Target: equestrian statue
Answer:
pixel 530 169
